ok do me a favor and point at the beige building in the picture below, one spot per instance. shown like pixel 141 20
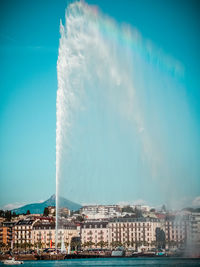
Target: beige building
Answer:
pixel 95 234
pixel 176 232
pixel 67 232
pixel 23 232
pixel 44 233
pixel 133 233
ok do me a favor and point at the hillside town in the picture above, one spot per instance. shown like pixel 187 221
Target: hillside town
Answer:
pixel 135 229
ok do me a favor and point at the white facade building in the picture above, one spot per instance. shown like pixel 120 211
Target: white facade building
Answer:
pixel 23 232
pixel 44 233
pixel 133 233
pixel 95 234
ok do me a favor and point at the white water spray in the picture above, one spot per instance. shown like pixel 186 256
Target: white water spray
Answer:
pixel 107 77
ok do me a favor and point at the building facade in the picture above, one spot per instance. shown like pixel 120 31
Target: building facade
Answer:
pixel 95 234
pixel 176 232
pixel 133 233
pixel 44 234
pixel 23 232
pixel 6 233
pixel 100 211
pixel 194 230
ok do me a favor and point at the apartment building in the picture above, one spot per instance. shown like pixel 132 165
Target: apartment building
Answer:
pixel 67 232
pixel 95 212
pixel 6 233
pixel 95 234
pixel 194 229
pixel 176 232
pixel 44 233
pixel 133 232
pixel 23 231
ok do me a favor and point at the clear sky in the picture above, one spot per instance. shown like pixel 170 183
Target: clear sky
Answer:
pixel 29 40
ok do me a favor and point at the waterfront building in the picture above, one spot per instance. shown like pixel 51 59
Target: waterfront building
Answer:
pixel 23 231
pixel 6 233
pixel 133 233
pixel 194 230
pixel 44 233
pixel 95 234
pixel 67 232
pixel 176 232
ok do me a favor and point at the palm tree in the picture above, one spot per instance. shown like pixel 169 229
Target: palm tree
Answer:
pixel 87 244
pixel 106 244
pixel 101 244
pixel 39 244
pixel 138 244
pixel 127 243
pixel 23 246
pixel 84 245
pixel 153 244
pixel 75 244
pixel 133 243
pixel 29 245
pixel 90 243
pixel 116 244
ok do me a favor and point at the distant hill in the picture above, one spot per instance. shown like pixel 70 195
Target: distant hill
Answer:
pixel 39 207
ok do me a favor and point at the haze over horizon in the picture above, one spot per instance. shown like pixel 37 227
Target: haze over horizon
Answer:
pixel 29 37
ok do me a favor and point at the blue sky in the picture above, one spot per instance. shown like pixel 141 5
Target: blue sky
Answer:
pixel 29 40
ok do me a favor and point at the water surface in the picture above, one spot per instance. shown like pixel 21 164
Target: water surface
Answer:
pixel 116 262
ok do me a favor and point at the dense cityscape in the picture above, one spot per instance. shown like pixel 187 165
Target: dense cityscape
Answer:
pixel 102 229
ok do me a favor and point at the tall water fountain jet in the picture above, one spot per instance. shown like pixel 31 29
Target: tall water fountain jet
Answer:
pixel 117 95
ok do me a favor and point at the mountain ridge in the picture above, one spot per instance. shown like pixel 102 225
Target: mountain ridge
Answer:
pixel 38 208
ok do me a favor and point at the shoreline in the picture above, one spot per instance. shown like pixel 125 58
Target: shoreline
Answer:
pixel 56 257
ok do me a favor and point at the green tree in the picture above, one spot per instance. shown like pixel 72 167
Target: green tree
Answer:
pixel 115 244
pixel 14 214
pixel 102 244
pixel 127 244
pixel 8 215
pixel 160 238
pixel 80 218
pixel 127 209
pixel 138 213
pixel 39 244
pixel 2 213
pixel 46 212
pixel 90 244
pixel 132 243
pixel 28 212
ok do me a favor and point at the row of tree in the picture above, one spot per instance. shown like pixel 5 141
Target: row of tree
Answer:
pixel 135 244
pixel 75 245
pixel 8 214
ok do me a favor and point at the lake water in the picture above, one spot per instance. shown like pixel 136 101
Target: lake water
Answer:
pixel 116 262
